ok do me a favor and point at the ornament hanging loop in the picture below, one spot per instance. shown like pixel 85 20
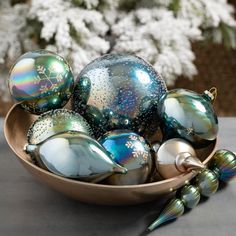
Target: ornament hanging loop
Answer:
pixel 211 94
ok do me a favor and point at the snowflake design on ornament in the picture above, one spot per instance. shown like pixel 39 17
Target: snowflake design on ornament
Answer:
pixel 48 78
pixel 135 152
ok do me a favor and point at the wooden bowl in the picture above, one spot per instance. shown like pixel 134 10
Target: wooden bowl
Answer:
pixel 16 127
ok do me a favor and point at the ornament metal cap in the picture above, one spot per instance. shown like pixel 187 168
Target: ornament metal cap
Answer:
pixel 186 162
pixel 211 94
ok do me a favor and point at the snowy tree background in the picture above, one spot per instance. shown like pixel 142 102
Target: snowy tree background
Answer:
pixel 160 31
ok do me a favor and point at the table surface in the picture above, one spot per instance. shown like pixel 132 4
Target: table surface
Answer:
pixel 28 207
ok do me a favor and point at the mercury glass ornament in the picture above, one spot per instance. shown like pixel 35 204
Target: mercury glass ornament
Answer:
pixel 173 210
pixel 189 115
pixel 56 121
pixel 190 196
pixel 207 182
pixel 224 165
pixel 130 151
pixel 74 155
pixel 119 91
pixel 176 156
pixel 40 81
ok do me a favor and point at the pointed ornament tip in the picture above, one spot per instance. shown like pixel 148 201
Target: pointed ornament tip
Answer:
pixel 173 210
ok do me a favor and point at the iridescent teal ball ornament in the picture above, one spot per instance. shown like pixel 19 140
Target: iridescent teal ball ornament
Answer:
pixel 40 81
pixel 119 91
pixel 190 196
pixel 131 151
pixel 224 165
pixel 207 182
pixel 56 121
pixel 189 115
pixel 74 155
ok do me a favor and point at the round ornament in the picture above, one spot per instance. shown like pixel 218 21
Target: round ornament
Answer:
pixel 190 196
pixel 207 183
pixel 74 155
pixel 40 81
pixel 176 156
pixel 189 115
pixel 130 151
pixel 56 121
pixel 119 91
pixel 224 164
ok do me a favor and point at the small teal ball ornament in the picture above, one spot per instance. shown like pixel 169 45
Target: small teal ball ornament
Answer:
pixel 190 196
pixel 119 91
pixel 207 182
pixel 189 115
pixel 131 151
pixel 54 122
pixel 224 164
pixel 40 81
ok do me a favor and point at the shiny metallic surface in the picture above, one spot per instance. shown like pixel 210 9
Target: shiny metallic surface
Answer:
pixel 56 121
pixel 16 127
pixel 131 151
pixel 207 182
pixel 189 115
pixel 190 196
pixel 74 155
pixel 173 210
pixel 176 156
pixel 41 80
pixel 119 91
pixel 224 164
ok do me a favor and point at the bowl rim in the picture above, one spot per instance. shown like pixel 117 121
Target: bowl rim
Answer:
pixel 98 185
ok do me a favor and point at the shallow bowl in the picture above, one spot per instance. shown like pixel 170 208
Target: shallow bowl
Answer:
pixel 16 126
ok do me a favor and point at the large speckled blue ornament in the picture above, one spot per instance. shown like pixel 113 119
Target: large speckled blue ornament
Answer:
pixel 224 165
pixel 74 155
pixel 40 81
pixel 189 115
pixel 207 183
pixel 130 151
pixel 119 91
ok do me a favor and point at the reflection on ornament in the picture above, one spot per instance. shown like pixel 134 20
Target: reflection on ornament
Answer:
pixel 119 91
pixel 40 81
pixel 56 121
pixel 189 115
pixel 176 156
pixel 130 151
pixel 224 165
pixel 173 210
pixel 74 155
pixel 207 182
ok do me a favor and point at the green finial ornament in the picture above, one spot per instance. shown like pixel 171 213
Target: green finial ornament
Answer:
pixel 224 165
pixel 207 182
pixel 190 196
pixel 173 210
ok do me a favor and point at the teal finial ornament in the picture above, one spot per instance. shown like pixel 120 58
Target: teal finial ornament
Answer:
pixel 224 165
pixel 190 196
pixel 207 182
pixel 173 210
